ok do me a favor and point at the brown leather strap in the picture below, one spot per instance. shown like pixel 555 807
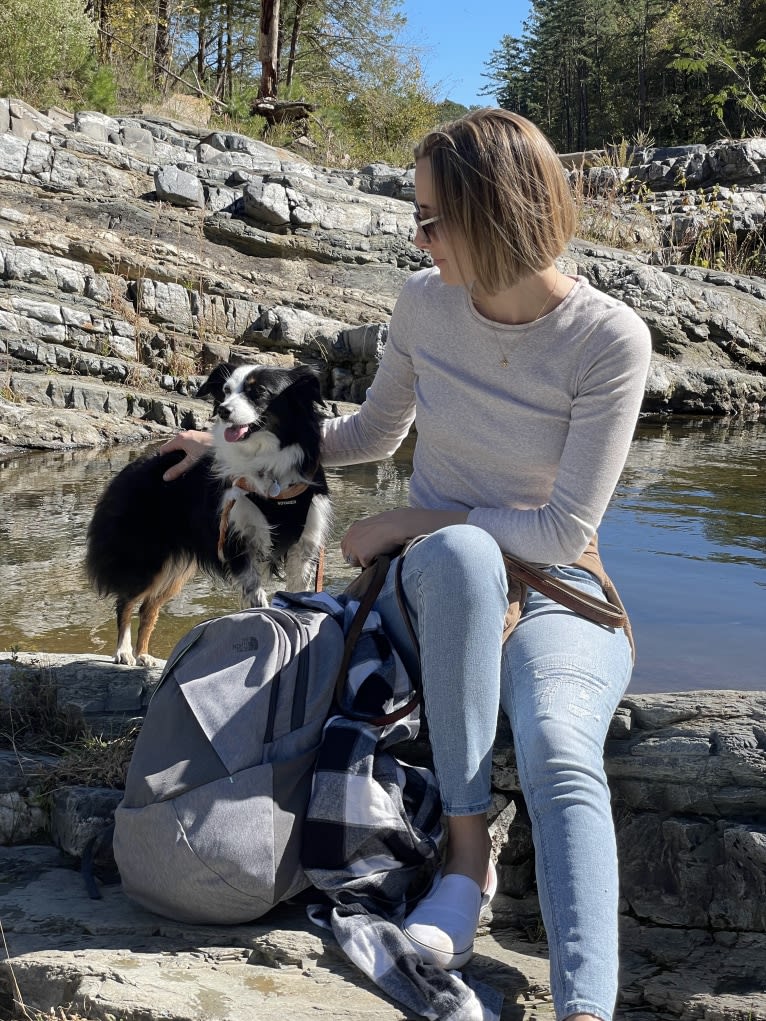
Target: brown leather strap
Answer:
pixel 370 590
pixel 319 576
pixel 597 610
pixel 376 576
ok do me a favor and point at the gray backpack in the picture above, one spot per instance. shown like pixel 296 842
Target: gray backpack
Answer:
pixel 209 829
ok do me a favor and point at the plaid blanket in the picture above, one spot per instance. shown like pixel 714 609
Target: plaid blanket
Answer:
pixel 372 834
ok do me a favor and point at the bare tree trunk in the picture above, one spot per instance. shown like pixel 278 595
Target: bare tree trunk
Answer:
pixel 565 85
pixel 269 49
pixel 202 33
pixel 220 69
pixel 280 44
pixel 643 89
pixel 583 112
pixel 99 12
pixel 300 6
pixel 229 60
pixel 162 43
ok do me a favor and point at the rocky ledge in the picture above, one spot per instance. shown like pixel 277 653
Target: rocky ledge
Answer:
pixel 688 780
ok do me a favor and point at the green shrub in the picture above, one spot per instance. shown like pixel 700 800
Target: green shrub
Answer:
pixel 101 92
pixel 47 48
pixel 377 121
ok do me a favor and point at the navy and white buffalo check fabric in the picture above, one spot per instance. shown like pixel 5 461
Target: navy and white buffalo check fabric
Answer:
pixel 372 834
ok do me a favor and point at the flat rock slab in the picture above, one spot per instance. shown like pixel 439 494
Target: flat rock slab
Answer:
pixel 108 957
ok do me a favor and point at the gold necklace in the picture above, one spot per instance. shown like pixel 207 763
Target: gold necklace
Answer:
pixel 495 330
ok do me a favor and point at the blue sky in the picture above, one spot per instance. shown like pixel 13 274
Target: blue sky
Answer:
pixel 459 36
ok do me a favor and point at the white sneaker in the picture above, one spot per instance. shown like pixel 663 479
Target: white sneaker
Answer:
pixel 443 926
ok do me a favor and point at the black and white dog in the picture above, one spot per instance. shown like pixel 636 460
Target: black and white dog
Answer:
pixel 257 505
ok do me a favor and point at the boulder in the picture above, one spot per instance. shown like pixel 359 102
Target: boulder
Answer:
pixel 178 187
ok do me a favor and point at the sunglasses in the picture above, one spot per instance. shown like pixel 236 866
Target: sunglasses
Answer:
pixel 429 231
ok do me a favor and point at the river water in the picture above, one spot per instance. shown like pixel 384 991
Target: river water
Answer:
pixel 684 538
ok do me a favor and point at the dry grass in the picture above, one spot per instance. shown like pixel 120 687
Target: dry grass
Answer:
pixel 178 106
pixel 609 216
pixel 7 392
pixel 20 1009
pixel 181 365
pixel 31 719
pixel 120 303
pixel 32 722
pixel 95 761
pixel 715 244
pixel 137 379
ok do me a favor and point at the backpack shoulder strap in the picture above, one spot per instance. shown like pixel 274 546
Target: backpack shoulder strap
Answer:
pixel 366 587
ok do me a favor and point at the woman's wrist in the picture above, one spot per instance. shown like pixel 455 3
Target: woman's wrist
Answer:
pixel 421 521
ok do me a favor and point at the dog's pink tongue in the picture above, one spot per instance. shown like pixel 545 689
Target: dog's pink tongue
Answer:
pixel 232 433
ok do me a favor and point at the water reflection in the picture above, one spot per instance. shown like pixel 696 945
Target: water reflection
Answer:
pixel 685 538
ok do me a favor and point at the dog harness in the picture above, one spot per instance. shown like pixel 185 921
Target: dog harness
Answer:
pixel 275 492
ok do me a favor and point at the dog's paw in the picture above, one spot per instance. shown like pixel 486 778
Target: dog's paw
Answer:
pixel 146 660
pixel 125 658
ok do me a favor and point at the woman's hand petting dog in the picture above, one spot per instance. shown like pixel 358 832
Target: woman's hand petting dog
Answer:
pixel 194 443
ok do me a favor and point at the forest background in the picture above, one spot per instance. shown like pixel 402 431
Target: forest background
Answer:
pixel 338 75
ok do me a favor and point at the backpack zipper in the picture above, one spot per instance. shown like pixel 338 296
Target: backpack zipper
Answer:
pixel 298 717
pixel 268 734
pixel 302 679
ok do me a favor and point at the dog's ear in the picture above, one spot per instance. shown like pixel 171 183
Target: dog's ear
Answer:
pixel 305 386
pixel 213 385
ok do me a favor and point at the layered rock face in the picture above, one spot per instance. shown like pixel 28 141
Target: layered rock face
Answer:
pixel 134 255
pixel 135 252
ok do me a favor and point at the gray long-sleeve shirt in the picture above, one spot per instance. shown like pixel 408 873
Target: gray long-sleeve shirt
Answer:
pixel 533 449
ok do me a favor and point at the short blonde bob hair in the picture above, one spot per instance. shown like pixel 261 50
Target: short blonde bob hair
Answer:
pixel 500 186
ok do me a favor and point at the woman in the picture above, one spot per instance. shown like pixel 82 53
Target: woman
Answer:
pixel 526 385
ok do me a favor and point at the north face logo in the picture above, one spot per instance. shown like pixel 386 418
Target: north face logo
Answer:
pixel 246 645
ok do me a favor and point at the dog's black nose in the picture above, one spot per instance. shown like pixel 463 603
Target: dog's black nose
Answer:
pixel 223 411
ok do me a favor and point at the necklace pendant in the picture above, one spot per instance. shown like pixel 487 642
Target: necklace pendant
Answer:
pixel 503 362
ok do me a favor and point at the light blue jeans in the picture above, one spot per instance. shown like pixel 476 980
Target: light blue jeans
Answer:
pixel 559 678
